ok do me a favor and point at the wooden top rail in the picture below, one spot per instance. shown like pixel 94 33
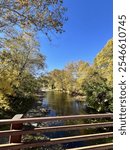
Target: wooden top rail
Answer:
pixel 55 128
pixel 15 146
pixel 44 119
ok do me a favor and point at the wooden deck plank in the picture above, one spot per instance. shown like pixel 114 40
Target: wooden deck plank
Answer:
pixel 56 128
pixel 44 119
pixel 15 146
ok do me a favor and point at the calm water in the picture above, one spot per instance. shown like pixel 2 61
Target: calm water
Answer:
pixel 61 104
pixel 57 104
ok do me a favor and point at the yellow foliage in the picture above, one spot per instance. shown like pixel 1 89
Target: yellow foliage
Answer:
pixel 104 62
pixel 3 103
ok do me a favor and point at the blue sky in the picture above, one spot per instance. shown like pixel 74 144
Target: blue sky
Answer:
pixel 88 28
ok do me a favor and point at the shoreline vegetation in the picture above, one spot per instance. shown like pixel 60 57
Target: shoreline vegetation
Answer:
pixel 84 82
pixel 77 96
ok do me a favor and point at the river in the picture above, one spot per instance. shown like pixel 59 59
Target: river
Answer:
pixel 61 104
pixel 58 104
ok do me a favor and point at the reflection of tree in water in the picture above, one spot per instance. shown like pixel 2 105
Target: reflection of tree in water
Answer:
pixel 64 104
pixel 40 109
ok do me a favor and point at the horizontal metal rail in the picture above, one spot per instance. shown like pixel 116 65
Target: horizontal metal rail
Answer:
pixel 44 119
pixel 95 147
pixel 17 130
pixel 15 146
pixel 55 128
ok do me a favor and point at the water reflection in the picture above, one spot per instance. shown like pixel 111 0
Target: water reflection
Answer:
pixel 62 104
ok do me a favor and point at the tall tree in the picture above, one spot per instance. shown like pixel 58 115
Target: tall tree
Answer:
pixel 58 78
pixel 104 62
pixel 98 83
pixel 20 61
pixel 77 72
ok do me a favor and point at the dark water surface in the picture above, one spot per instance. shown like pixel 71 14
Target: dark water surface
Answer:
pixel 61 104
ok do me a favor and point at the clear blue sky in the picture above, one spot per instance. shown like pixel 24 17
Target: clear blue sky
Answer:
pixel 88 28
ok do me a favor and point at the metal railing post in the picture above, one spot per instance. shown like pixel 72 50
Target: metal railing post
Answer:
pixel 16 138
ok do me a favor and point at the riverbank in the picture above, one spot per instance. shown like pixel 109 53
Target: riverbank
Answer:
pixel 80 98
pixel 77 96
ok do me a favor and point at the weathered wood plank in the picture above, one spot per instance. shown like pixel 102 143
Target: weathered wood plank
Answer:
pixel 56 128
pixel 44 119
pixel 15 146
pixel 95 147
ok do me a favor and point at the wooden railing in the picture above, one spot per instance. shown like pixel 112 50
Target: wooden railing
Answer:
pixel 16 131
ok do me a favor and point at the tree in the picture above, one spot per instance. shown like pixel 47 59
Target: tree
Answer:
pixel 99 94
pixel 69 79
pixel 98 83
pixel 82 71
pixel 77 72
pixel 25 53
pixel 20 59
pixel 20 62
pixel 58 78
pixel 39 15
pixel 104 62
